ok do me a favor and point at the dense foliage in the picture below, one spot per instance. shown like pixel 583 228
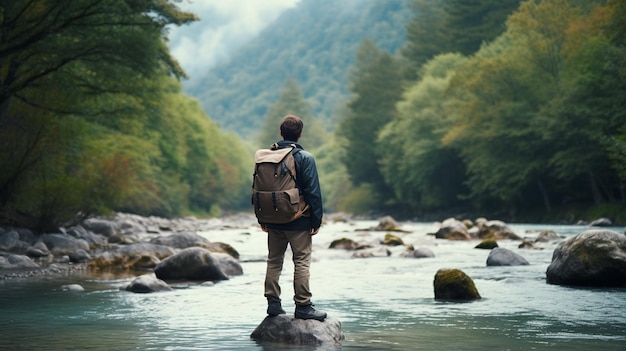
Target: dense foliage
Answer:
pixel 92 119
pixel 490 107
pixel 533 119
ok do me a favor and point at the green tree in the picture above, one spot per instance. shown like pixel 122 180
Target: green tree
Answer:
pixel 612 79
pixel 292 102
pixel 425 174
pixel 532 123
pixel 90 48
pixel 78 85
pixel 375 83
pixel 471 23
pixel 425 34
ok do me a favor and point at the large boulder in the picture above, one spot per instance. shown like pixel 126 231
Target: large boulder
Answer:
pixel 392 240
pixel 194 263
pixel 495 230
pixel 223 248
pixel 504 257
pixel 592 258
pixel 547 235
pixel 453 229
pixel 133 256
pixel 487 244
pixel 103 227
pixel 146 283
pixel 79 232
pixel 63 244
pixel 286 329
pixel 343 244
pixel 387 223
pixel 10 261
pixel 229 265
pixel 601 222
pixel 182 240
pixel 10 241
pixel 454 284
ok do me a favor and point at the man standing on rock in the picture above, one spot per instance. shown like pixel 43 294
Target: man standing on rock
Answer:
pixel 298 233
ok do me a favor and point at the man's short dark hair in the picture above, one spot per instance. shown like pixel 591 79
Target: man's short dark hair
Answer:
pixel 291 127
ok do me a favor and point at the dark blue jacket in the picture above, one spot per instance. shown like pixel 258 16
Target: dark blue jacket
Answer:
pixel 309 184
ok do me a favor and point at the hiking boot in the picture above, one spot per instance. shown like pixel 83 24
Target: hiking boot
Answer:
pixel 274 308
pixel 308 312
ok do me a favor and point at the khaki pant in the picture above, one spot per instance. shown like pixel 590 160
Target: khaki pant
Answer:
pixel 301 246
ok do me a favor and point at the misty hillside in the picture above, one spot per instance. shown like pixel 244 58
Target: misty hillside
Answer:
pixel 313 43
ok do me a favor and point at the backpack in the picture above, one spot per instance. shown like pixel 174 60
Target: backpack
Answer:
pixel 275 194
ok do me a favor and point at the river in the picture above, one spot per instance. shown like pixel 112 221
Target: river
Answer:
pixel 383 303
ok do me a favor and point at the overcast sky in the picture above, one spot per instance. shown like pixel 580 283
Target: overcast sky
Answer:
pixel 223 27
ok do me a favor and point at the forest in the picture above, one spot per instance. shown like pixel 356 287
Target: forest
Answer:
pixel 93 119
pixel 512 109
pixel 524 120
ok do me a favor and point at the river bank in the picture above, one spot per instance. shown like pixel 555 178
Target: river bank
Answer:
pixel 81 247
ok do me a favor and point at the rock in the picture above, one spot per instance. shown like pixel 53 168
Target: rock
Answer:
pixel 194 263
pixel 592 258
pixel 129 224
pixel 12 261
pixel 422 252
pixel 452 229
pixel 547 235
pixel 103 227
pixel 495 230
pixel 374 252
pixel 223 248
pixel 147 283
pixel 230 266
pixel 526 245
pixel 9 240
pixel 343 244
pixel 139 255
pixel 72 287
pixel 143 262
pixel 487 244
pixel 79 232
pixel 504 257
pixel 79 256
pixel 124 238
pixel 182 240
pixel 63 244
pixel 601 222
pixel 38 250
pixel 26 235
pixel 454 284
pixel 387 223
pixel 286 329
pixel 392 240
pixel 142 249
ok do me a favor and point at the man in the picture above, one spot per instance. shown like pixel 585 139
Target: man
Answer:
pixel 298 233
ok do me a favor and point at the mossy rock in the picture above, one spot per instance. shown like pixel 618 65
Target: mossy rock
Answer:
pixel 487 244
pixel 343 244
pixel 591 258
pixel 392 240
pixel 454 284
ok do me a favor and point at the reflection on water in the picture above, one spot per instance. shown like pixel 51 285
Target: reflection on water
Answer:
pixel 383 303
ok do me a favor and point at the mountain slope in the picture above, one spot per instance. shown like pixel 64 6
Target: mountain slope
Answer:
pixel 314 43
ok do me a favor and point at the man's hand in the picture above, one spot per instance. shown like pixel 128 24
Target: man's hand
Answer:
pixel 314 231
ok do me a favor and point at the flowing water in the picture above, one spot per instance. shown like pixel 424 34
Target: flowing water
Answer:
pixel 383 303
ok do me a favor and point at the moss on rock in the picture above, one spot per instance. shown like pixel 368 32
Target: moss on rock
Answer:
pixel 454 284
